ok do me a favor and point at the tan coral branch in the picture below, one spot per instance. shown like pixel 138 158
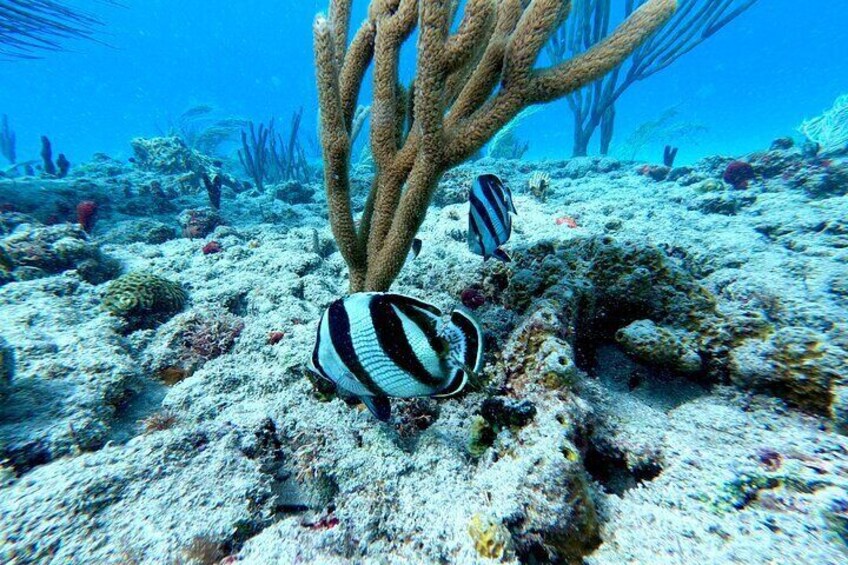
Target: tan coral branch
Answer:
pixel 468 85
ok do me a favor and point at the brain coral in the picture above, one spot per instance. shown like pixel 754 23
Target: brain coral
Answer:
pixel 141 297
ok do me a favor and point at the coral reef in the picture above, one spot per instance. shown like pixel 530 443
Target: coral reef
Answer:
pixel 830 130
pixel 660 346
pixel 60 168
pixel 491 539
pixel 669 155
pixel 72 372
pixel 199 222
pixel 213 189
pixel 7 364
pixel 796 363
pixel 211 248
pixel 31 252
pixel 143 299
pixel 159 421
pixel 170 155
pixel 738 174
pixel 585 438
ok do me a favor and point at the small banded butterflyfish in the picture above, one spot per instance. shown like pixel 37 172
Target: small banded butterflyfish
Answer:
pixel 376 345
pixel 489 219
pixel 414 250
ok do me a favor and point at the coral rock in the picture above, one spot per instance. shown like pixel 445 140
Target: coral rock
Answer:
pixel 34 252
pixel 199 222
pixel 659 346
pixel 795 363
pixel 211 248
pixel 490 537
pixel 738 174
pixel 143 298
pixel 168 155
pixel 7 364
pixel 505 412
pixel 472 298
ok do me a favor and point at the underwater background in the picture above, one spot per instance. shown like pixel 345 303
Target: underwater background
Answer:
pixel 237 329
pixel 757 79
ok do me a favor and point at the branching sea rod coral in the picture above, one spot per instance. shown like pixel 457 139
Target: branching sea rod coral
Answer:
pixel 468 85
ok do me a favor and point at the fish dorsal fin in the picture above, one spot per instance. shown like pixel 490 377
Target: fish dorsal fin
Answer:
pixel 379 406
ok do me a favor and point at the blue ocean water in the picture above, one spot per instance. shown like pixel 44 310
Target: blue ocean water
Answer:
pixel 755 80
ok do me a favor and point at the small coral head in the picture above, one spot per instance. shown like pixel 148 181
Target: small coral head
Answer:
pixel 86 214
pixel 738 173
pixel 472 298
pixel 211 248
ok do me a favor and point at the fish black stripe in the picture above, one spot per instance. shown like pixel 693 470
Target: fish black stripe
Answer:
pixel 316 358
pixel 487 222
pixel 403 300
pixel 410 309
pixel 472 339
pixel 393 340
pixel 495 201
pixel 475 230
pixel 343 344
pixel 502 194
pixel 500 212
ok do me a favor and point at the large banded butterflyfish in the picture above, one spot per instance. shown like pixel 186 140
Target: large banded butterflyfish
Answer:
pixel 375 345
pixel 489 217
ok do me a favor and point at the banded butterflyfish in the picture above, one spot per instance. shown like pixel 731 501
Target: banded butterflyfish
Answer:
pixel 376 345
pixel 489 217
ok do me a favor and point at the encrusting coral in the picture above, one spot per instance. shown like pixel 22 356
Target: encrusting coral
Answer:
pixel 468 85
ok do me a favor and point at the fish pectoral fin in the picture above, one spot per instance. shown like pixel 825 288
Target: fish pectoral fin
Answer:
pixel 501 255
pixel 379 406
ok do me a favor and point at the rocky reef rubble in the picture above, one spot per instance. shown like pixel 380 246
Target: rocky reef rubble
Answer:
pixel 664 380
pixel 32 251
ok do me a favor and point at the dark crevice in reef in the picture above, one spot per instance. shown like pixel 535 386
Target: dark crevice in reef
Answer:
pixel 133 407
pixel 661 389
pixel 599 329
pixel 609 468
pixel 237 304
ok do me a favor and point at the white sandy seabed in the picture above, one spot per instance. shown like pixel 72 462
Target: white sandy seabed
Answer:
pixel 624 461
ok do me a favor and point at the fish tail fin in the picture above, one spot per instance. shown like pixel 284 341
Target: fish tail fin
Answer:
pixel 501 255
